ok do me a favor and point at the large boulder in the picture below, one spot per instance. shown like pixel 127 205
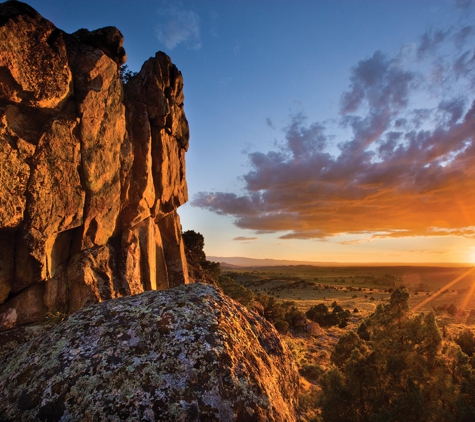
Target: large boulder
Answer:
pixel 91 173
pixel 184 354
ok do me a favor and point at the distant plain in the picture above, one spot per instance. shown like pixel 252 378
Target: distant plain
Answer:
pixel 359 289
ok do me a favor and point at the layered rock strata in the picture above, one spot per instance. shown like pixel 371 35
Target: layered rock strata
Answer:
pixel 91 172
pixel 183 354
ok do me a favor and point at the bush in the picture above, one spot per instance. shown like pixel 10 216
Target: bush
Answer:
pixel 337 309
pixel 311 372
pixel 363 332
pixel 466 341
pixel 236 291
pixel 283 315
pixel 452 309
pixel 316 311
pixel 281 326
pixel 319 314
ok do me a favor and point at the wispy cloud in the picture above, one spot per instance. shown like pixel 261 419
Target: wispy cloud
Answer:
pixel 402 170
pixel 245 239
pixel 432 251
pixel 270 123
pixel 430 41
pixel 464 4
pixel 177 25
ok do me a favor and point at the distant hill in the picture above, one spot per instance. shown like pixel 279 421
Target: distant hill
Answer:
pixel 239 261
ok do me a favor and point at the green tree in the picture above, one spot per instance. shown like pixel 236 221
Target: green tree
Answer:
pixel 194 243
pixel 126 74
pixel 397 371
pixel 199 267
pixel 236 291
pixel 320 314
pixel 317 311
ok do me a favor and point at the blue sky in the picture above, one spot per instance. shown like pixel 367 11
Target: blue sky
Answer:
pixel 336 130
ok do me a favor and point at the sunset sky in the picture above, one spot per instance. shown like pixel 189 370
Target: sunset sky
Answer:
pixel 325 130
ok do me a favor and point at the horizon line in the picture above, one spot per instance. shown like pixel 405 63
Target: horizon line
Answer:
pixel 352 263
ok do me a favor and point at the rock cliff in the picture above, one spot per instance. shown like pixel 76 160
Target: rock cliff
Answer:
pixel 183 354
pixel 91 172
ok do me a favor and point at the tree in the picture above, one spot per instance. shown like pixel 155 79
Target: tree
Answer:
pixel 452 309
pixel 126 74
pixel 236 291
pixel 397 370
pixel 194 243
pixel 466 341
pixel 199 268
pixel 316 311
pixel 320 314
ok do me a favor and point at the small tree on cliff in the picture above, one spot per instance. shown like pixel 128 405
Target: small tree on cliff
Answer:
pixel 195 243
pixel 199 267
pixel 125 74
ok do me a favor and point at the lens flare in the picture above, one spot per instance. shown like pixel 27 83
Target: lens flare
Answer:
pixel 448 285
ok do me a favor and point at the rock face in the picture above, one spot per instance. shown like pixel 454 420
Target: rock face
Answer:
pixel 183 354
pixel 91 173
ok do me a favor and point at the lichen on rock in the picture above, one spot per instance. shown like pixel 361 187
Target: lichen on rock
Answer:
pixel 184 354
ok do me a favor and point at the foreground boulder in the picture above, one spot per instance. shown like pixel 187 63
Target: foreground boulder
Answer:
pixel 91 172
pixel 184 354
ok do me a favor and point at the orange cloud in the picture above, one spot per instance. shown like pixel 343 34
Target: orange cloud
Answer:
pixel 404 171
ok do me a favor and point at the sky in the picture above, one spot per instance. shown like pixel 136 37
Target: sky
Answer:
pixel 325 130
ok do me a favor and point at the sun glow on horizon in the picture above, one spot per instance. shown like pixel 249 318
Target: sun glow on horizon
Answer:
pixel 471 255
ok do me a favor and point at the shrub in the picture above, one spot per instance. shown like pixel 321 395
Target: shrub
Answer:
pixel 466 341
pixel 342 324
pixel 281 326
pixel 236 291
pixel 319 314
pixel 311 372
pixel 452 309
pixel 337 309
pixel 363 332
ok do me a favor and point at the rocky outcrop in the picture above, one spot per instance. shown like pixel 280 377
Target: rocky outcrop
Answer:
pixel 184 354
pixel 91 173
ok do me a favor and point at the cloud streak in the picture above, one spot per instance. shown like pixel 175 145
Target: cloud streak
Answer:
pixel 402 171
pixel 245 239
